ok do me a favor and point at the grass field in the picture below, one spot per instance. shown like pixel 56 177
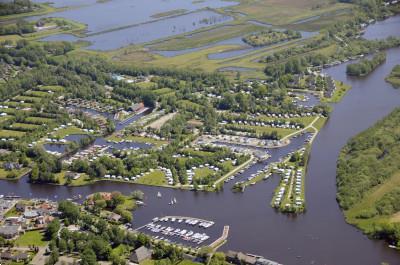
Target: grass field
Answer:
pixel 35 238
pixel 284 12
pixel 83 180
pixel 11 134
pixel 155 178
pixel 138 139
pixel 25 126
pixel 264 129
pixel 18 172
pixel 39 120
pixel 200 173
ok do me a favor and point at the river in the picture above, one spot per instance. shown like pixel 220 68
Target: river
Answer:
pixel 320 236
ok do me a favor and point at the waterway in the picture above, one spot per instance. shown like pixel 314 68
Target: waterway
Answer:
pixel 320 236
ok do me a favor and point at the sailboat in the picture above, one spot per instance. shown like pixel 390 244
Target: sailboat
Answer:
pixel 172 202
pixel 175 200
pixel 159 194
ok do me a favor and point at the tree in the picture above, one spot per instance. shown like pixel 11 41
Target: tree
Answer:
pixel 137 195
pixel 52 229
pixel 88 257
pixel 69 211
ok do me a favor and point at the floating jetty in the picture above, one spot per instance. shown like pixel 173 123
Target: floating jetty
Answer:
pixel 184 230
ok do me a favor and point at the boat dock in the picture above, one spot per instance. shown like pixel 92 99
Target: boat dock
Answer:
pixel 220 241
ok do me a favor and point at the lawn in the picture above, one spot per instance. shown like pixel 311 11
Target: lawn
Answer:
pixel 38 94
pixel 282 132
pixel 39 120
pixel 162 91
pixel 11 134
pixel 83 180
pixel 12 213
pixel 25 126
pixel 68 131
pixel 200 173
pixel 146 85
pixel 50 88
pixel 138 139
pixel 27 99
pixel 320 123
pixel 155 178
pixel 20 172
pixel 35 238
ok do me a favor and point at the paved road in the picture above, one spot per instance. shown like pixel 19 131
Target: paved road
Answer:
pixel 40 258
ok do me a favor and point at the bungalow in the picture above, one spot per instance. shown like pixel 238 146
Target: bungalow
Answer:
pixel 140 254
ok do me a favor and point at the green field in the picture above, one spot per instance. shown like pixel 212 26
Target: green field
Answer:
pixel 155 178
pixel 200 173
pixel 11 134
pixel 25 126
pixel 39 120
pixel 30 238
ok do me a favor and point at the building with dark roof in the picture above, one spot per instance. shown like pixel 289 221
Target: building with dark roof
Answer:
pixel 140 254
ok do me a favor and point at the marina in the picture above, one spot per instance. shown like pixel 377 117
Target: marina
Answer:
pixel 187 231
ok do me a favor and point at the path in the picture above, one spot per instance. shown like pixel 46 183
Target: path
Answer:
pixel 234 171
pixel 311 125
pixel 219 241
pixel 40 258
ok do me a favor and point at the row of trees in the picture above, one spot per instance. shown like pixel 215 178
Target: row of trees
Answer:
pixel 15 7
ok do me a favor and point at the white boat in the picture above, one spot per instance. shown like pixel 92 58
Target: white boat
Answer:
pixel 159 195
pixel 175 200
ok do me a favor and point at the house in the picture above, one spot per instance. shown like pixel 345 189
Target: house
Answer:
pixel 114 217
pixel 11 166
pixel 29 214
pixel 22 256
pixel 20 207
pixel 4 151
pixel 10 231
pixel 140 254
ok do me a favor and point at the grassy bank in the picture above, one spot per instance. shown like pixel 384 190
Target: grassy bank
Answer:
pixel 394 77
